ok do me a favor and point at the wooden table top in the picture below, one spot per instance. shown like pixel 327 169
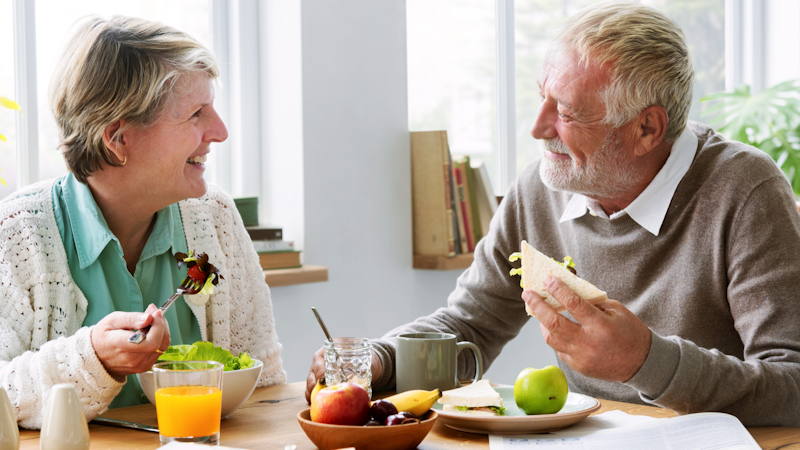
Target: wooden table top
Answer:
pixel 268 421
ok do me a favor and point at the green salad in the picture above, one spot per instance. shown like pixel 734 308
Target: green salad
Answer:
pixel 207 351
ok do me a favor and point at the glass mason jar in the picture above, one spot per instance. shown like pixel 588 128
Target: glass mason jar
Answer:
pixel 349 359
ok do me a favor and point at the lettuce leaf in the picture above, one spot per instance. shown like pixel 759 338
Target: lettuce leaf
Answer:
pixel 499 410
pixel 207 351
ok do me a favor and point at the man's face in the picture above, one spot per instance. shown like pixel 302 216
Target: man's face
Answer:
pixel 583 153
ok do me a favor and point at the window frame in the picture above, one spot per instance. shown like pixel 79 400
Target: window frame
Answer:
pixel 235 29
pixel 745 47
pixel 27 122
pixel 235 35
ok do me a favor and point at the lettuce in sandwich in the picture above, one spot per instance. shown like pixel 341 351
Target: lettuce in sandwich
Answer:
pixel 478 398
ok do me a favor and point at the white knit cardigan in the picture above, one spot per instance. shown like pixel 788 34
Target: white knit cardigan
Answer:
pixel 42 342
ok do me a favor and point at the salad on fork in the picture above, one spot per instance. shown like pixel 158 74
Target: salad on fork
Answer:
pixel 201 277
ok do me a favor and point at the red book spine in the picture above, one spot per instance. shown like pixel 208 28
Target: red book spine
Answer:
pixel 464 209
pixel 448 201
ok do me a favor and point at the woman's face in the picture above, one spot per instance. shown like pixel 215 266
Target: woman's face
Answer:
pixel 168 156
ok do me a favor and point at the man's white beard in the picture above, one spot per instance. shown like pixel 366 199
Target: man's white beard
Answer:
pixel 607 172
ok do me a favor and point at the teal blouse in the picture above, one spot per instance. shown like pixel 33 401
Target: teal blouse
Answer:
pixel 97 265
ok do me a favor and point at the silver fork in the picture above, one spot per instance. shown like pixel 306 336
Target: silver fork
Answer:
pixel 188 286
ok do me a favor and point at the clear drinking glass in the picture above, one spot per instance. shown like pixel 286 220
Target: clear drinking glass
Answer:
pixel 188 401
pixel 349 359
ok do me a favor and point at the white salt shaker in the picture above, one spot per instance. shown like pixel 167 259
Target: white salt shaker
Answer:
pixel 63 423
pixel 9 431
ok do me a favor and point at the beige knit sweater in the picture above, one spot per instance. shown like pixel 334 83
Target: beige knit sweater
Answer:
pixel 42 342
pixel 719 287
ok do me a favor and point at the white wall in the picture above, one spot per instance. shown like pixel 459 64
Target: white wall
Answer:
pixel 356 193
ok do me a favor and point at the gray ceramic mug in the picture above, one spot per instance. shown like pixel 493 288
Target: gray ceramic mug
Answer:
pixel 430 360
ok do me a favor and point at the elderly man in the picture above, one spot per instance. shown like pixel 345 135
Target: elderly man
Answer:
pixel 697 237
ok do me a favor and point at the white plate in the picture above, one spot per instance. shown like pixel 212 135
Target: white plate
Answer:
pixel 515 421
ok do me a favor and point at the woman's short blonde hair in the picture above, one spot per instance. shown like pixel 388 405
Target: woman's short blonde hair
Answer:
pixel 648 57
pixel 122 68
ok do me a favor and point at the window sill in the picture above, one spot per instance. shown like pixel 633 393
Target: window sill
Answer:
pixel 298 275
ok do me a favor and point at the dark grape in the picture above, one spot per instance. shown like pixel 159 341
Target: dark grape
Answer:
pixel 401 418
pixel 373 423
pixel 382 409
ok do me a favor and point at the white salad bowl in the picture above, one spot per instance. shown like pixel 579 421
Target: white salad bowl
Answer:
pixel 237 386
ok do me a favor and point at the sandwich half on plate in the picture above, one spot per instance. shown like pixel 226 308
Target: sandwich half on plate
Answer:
pixel 536 266
pixel 478 398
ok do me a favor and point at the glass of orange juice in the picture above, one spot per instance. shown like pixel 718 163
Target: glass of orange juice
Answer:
pixel 188 401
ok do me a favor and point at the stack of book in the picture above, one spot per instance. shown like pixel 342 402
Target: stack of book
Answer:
pixel 273 251
pixel 453 199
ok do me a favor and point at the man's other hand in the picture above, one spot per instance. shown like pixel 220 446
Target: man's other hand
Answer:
pixel 606 340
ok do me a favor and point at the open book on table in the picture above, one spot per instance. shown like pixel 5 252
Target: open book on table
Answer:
pixel 616 429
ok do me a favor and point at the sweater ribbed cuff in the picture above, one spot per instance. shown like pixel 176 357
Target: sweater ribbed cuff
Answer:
pixel 658 369
pixel 103 381
pixel 385 352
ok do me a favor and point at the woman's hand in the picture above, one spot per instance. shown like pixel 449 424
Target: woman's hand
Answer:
pixel 120 357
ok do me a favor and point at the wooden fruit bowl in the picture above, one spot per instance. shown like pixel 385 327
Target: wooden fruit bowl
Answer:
pixel 326 436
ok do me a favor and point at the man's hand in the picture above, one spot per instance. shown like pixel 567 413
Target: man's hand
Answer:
pixel 608 341
pixel 317 371
pixel 120 357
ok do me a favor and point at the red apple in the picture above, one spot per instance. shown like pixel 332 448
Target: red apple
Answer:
pixel 341 404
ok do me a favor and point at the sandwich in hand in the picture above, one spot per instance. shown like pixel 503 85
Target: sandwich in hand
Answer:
pixel 536 266
pixel 478 398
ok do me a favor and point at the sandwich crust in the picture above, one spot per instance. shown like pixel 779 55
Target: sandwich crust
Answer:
pixel 479 394
pixel 536 266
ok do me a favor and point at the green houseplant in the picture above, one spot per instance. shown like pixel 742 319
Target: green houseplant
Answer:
pixel 768 120
pixel 10 104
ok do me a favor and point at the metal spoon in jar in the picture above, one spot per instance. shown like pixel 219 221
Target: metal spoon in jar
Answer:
pixel 330 339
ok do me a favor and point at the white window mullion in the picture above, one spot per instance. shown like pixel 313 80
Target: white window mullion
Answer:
pixel 760 49
pixel 25 77
pixel 745 44
pixel 506 107
pixel 220 170
pixel 755 43
pixel 236 42
pixel 734 45
pixel 245 83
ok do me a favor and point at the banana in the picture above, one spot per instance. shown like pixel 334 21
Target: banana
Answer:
pixel 416 401
pixel 320 385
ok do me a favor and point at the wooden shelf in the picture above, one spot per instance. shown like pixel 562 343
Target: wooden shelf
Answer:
pixel 298 275
pixel 434 262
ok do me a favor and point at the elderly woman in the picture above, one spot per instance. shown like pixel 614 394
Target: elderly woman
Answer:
pixel 84 255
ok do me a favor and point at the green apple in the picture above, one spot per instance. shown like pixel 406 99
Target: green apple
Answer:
pixel 541 391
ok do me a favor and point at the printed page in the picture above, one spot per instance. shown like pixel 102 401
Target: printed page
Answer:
pixel 615 429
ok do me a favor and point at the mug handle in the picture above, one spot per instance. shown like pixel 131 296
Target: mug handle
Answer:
pixel 476 352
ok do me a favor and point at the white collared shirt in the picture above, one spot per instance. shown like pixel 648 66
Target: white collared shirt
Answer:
pixel 650 207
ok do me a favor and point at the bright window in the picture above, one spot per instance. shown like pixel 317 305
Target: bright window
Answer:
pixel 37 32
pixel 536 24
pixel 33 35
pixel 453 68
pixel 452 76
pixel 55 21
pixel 8 157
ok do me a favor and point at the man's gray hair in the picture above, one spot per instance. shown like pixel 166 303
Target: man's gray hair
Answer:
pixel 121 68
pixel 648 57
